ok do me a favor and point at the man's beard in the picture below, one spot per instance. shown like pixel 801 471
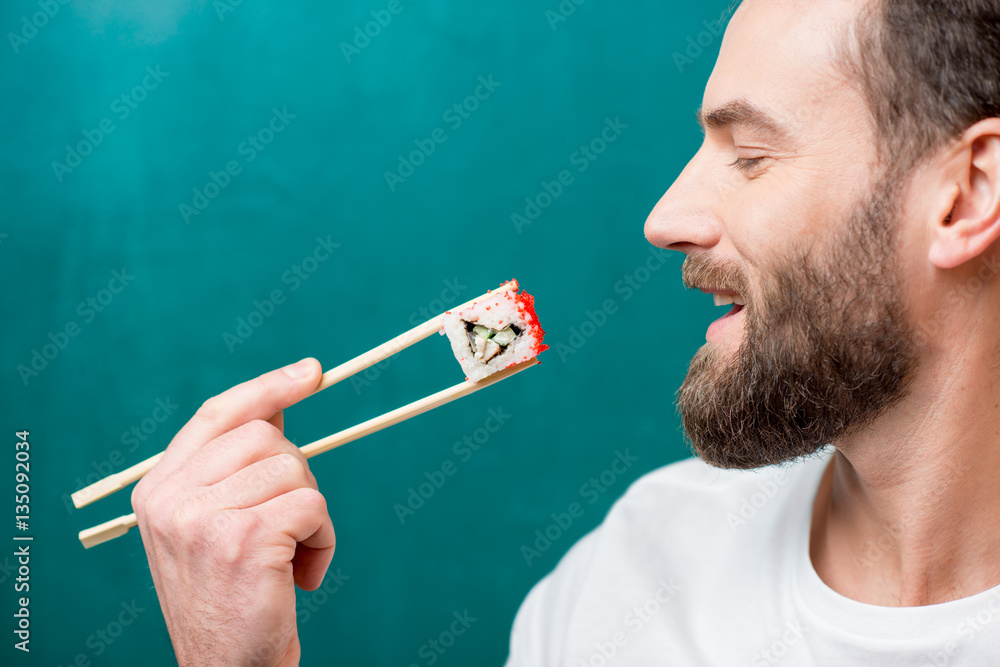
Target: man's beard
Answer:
pixel 827 348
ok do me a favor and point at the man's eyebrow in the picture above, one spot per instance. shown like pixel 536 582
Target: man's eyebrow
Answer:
pixel 740 113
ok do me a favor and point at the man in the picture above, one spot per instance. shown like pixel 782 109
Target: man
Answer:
pixel 846 200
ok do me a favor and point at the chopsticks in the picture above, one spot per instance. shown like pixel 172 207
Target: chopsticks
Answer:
pixel 121 525
pixel 120 480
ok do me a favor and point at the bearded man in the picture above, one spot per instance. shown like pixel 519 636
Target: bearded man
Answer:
pixel 844 507
pixel 846 201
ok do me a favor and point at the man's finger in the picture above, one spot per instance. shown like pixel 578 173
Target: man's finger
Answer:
pixel 260 398
pixel 309 566
pixel 302 516
pixel 232 451
pixel 260 482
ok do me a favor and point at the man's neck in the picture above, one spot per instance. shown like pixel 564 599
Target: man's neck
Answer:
pixel 908 511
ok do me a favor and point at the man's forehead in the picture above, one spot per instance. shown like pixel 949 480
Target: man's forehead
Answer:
pixel 777 56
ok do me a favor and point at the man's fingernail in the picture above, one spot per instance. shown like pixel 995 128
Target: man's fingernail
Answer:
pixel 298 370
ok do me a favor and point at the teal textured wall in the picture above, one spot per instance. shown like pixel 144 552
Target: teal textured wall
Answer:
pixel 201 153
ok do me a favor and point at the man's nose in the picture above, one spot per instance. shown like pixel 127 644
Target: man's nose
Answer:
pixel 684 219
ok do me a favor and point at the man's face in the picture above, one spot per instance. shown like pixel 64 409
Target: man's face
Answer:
pixel 785 206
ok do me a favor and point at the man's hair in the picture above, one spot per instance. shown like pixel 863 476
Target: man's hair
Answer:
pixel 929 70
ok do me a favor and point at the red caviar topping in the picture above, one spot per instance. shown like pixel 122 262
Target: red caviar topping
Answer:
pixel 526 306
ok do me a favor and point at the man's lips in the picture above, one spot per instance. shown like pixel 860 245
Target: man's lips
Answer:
pixel 716 328
pixel 724 296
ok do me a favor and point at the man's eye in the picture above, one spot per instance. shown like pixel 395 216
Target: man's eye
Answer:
pixel 747 164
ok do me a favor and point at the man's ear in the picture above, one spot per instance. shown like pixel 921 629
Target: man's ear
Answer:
pixel 967 219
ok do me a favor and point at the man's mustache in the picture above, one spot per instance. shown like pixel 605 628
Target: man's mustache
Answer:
pixel 703 272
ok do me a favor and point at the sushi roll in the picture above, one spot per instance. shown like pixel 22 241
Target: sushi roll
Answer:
pixel 494 332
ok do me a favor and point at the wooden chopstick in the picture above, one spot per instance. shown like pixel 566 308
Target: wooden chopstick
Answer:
pixel 115 482
pixel 412 410
pixel 120 480
pixel 108 530
pixel 117 527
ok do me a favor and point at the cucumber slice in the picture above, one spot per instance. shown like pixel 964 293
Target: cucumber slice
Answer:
pixel 504 336
pixel 483 332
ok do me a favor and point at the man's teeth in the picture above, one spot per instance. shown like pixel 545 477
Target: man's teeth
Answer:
pixel 724 300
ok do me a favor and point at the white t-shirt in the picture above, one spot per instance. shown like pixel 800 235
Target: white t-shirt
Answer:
pixel 699 566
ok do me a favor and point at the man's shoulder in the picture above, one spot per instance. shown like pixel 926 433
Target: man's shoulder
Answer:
pixel 707 526
pixel 694 476
pixel 691 493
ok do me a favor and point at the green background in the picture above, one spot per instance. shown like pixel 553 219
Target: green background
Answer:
pixel 323 176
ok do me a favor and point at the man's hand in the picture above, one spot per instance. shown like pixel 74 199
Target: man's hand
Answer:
pixel 231 519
